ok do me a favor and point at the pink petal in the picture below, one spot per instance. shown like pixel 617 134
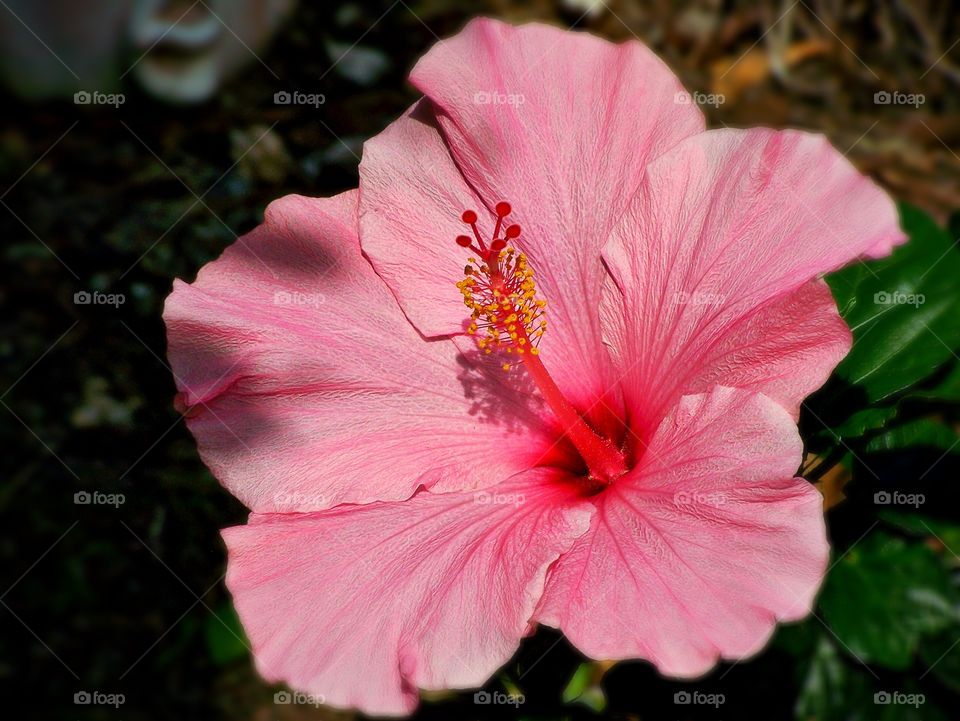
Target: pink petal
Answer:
pixel 785 349
pixel 309 388
pixel 363 605
pixel 717 250
pixel 410 206
pixel 571 123
pixel 702 548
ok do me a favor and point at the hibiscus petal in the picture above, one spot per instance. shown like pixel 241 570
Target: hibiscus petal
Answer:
pixel 698 552
pixel 363 605
pixel 410 206
pixel 559 124
pixel 309 388
pixel 785 349
pixel 714 252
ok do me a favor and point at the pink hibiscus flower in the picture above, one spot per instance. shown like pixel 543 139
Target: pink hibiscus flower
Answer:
pixel 630 480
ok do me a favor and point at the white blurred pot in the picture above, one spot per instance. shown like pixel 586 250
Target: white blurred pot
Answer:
pixel 178 50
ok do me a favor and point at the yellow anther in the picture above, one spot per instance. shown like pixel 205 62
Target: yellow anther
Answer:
pixel 500 291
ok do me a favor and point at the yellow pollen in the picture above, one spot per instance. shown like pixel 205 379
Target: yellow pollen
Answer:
pixel 502 297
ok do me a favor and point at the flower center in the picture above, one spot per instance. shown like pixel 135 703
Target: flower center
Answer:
pixel 507 317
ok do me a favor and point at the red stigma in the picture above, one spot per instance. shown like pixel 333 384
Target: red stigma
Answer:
pixel 497 242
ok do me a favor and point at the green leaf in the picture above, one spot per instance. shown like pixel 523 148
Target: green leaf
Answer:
pixel 902 310
pixel 830 690
pixel 920 432
pixel 917 524
pixel 226 641
pixel 953 224
pixel 836 688
pixel 945 390
pixel 509 685
pixel 859 423
pixel 883 595
pixel 797 639
pixel 584 688
pixel 941 656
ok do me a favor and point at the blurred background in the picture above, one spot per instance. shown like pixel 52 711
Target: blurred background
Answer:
pixel 141 137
